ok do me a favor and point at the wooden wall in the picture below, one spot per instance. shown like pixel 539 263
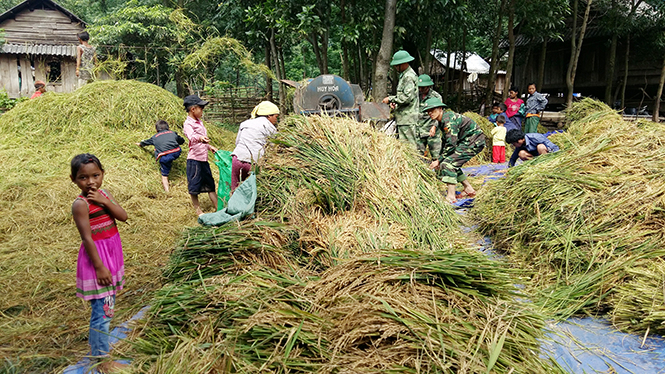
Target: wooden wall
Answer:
pixel 10 74
pixel 41 26
pixel 593 67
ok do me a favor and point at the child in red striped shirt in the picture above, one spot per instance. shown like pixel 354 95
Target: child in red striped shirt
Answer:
pixel 100 267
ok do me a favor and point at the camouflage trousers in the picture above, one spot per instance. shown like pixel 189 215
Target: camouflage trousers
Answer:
pixel 407 133
pixel 451 166
pixel 434 144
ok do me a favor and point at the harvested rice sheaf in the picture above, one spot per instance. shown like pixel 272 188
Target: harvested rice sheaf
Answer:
pixel 323 174
pixel 354 264
pixel 389 312
pixel 585 218
pixel 44 323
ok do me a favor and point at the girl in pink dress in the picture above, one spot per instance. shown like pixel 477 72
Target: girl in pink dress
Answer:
pixel 100 268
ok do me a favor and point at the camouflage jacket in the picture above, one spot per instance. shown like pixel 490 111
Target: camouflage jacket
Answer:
pixel 458 131
pixel 406 100
pixel 425 122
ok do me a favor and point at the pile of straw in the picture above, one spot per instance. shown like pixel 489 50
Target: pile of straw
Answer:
pixel 354 263
pixel 43 322
pixel 587 219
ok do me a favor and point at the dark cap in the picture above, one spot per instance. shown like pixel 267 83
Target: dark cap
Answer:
pixel 192 100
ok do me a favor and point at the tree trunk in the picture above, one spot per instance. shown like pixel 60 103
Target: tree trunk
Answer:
pixel 314 41
pixel 491 79
pixel 446 76
pixel 460 86
pixel 541 66
pixel 625 73
pixel 280 55
pixel 180 86
pixel 511 49
pixel 383 58
pixel 361 70
pixel 656 107
pixel 278 69
pixel 345 50
pixel 324 52
pixel 268 79
pixel 428 47
pixel 609 79
pixel 576 49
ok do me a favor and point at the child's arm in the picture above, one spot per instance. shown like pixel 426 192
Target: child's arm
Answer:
pixel 109 203
pixel 143 143
pixel 179 139
pixel 82 220
pixel 513 158
pixel 79 52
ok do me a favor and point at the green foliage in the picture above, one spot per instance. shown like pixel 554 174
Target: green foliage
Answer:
pixel 7 103
pixel 208 55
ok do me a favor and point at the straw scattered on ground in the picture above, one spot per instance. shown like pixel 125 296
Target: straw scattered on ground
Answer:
pixel 44 325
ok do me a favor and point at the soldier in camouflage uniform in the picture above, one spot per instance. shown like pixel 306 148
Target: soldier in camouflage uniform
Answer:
pixel 424 122
pixel 405 102
pixel 463 140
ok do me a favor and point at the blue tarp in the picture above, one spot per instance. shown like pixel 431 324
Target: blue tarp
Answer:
pixel 583 345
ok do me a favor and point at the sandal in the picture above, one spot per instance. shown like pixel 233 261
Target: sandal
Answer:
pixel 464 194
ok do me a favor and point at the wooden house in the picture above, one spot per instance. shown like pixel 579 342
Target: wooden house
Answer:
pixel 40 44
pixel 593 68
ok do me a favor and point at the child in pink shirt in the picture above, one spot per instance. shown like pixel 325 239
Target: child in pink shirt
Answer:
pixel 513 105
pixel 199 176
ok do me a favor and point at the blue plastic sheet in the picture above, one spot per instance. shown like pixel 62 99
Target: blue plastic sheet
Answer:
pixel 117 334
pixel 583 345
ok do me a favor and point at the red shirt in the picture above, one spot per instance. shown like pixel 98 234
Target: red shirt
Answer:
pixel 513 106
pixel 36 94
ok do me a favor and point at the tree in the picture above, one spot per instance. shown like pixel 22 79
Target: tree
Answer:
pixel 494 62
pixel 385 52
pixel 576 48
pixel 619 21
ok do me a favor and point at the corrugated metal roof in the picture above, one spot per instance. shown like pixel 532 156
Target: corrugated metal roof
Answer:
pixel 39 49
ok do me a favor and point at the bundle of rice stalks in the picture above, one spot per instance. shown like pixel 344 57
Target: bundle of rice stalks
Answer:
pixel 363 270
pixel 581 217
pixel 639 302
pixel 323 173
pixel 484 157
pixel 396 311
pixel 204 252
pixel 44 323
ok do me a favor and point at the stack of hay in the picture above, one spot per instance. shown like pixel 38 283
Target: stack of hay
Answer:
pixel 587 222
pixel 355 263
pixel 44 323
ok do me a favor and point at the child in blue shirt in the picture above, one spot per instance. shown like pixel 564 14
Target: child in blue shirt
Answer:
pixel 528 146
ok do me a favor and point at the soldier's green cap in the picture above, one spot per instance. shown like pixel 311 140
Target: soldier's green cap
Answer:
pixel 401 57
pixel 425 81
pixel 433 102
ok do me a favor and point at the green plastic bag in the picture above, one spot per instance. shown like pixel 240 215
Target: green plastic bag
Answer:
pixel 241 205
pixel 223 162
